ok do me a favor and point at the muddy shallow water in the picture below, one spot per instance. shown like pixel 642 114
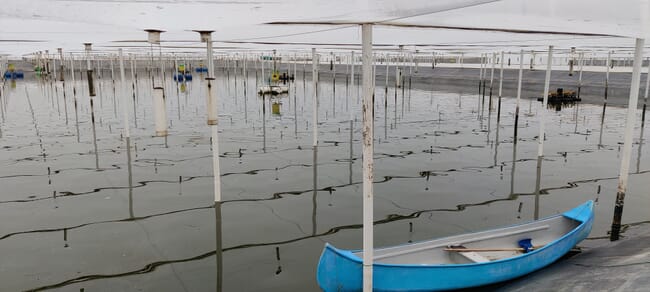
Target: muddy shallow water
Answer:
pixel 72 218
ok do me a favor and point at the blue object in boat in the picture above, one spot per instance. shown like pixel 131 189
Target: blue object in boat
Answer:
pixel 526 244
pixel 431 266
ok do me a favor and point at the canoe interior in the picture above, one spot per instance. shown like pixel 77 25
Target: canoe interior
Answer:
pixel 432 252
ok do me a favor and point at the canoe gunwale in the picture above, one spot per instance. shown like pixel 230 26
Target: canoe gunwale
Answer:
pixel 349 254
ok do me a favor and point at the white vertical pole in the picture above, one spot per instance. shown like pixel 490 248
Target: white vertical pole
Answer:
pixel 521 70
pixel 609 60
pixel 647 82
pixel 542 114
pixel 627 144
pixel 501 76
pixel 353 89
pixel 494 57
pixel 368 175
pixel 314 83
pixel 123 93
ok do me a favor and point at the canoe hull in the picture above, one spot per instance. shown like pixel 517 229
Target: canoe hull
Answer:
pixel 341 270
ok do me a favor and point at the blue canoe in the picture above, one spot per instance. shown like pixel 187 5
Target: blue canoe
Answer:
pixel 460 261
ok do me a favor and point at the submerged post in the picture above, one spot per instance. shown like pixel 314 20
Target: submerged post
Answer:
pixel 627 144
pixel 542 113
pixel 89 70
pixel 368 175
pixel 61 66
pixel 581 64
pixel 521 70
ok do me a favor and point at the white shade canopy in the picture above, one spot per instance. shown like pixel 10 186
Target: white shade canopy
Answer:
pixel 36 25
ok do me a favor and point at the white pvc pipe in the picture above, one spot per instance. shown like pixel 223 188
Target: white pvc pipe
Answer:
pixel 494 57
pixel 314 83
pixel 521 70
pixel 368 175
pixel 542 113
pixel 629 123
pixel 647 81
pixel 352 85
pixel 501 76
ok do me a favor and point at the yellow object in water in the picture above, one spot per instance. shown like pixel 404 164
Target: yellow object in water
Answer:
pixel 275 108
pixel 183 87
pixel 276 76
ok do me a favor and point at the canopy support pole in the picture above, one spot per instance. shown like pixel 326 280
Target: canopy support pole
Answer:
pixel 368 175
pixel 627 145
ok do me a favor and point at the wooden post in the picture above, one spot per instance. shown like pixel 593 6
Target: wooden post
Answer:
pixel 368 151
pixel 627 144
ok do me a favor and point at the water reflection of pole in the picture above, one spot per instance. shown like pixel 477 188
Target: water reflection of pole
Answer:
pixel 512 172
pixel 627 146
pixel 602 117
pixel 218 245
pixel 368 176
pixel 315 190
pixel 521 69
pixel 538 186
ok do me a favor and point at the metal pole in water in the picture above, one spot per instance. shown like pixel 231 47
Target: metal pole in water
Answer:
pixel 645 95
pixel 89 70
pixel 542 113
pixel 480 74
pixel 368 176
pixel 314 84
pixel 352 85
pixel 627 144
pixel 609 61
pixel 521 70
pixel 500 90
pixel 494 57
pixel 581 64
